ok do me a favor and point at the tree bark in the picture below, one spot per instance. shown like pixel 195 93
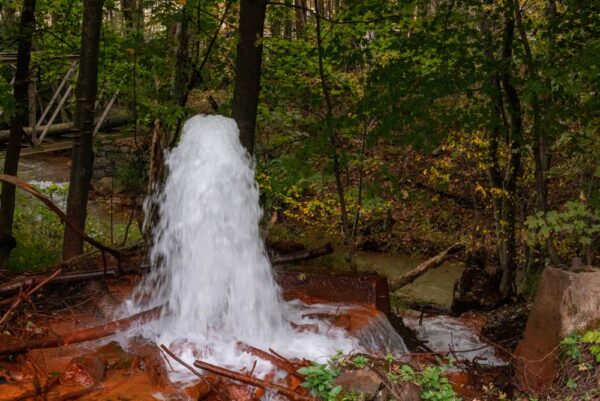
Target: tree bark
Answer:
pixel 300 17
pixel 17 122
pixel 83 154
pixel 248 69
pixel 540 148
pixel 330 129
pixel 515 143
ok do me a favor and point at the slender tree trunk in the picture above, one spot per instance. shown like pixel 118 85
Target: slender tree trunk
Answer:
pixel 17 122
pixel 540 149
pixel 129 10
pixel 515 144
pixel 504 183
pixel 83 155
pixel 289 20
pixel 248 69
pixel 300 17
pixel 330 130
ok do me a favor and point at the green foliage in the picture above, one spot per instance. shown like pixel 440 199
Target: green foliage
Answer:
pixel 592 339
pixel 360 361
pixel 320 379
pixel 574 345
pixel 435 386
pixel 576 224
pixel 39 231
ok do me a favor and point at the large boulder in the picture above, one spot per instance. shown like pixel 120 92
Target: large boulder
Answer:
pixel 566 301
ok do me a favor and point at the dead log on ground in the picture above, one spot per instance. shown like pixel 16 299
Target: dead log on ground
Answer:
pixel 237 376
pixel 16 285
pixel 68 278
pixel 302 255
pixel 10 179
pixel 92 333
pixel 27 295
pixel 437 260
pixel 275 360
pixel 69 127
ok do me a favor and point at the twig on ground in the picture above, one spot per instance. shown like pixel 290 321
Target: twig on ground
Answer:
pixel 26 296
pixel 291 394
pixel 278 362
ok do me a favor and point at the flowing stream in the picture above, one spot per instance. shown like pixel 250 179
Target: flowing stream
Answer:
pixel 210 267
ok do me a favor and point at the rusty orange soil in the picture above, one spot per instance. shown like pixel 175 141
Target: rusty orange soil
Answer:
pixel 41 368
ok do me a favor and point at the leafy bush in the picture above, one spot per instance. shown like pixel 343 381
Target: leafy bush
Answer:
pixel 320 379
pixel 576 226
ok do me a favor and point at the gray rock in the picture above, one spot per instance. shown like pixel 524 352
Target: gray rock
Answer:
pixel 363 382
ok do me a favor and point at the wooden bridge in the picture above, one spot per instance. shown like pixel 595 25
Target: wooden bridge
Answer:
pixel 48 118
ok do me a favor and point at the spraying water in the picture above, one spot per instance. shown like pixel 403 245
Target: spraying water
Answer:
pixel 210 268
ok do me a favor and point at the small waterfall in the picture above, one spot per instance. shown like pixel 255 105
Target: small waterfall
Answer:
pixel 209 259
pixel 209 262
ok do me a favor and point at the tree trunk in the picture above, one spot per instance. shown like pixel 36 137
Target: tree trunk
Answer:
pixel 83 155
pixel 248 69
pixel 504 183
pixel 515 144
pixel 330 130
pixel 300 17
pixel 540 149
pixel 289 20
pixel 17 122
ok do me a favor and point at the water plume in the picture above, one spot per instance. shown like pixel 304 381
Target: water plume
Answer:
pixel 209 263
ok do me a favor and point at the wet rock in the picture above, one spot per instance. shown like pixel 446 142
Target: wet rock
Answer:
pixel 362 382
pixel 240 392
pixel 10 392
pixel 565 302
pixel 477 289
pixel 506 324
pixel 86 370
pixel 148 357
pixel 202 388
pixel 103 186
pixel 114 357
pixel 407 391
pixel 107 186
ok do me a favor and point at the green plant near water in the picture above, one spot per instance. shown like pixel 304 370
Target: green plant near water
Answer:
pixel 576 345
pixel 39 231
pixel 435 386
pixel 320 379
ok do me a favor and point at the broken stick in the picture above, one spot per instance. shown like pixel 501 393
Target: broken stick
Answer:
pixel 275 360
pixel 240 377
pixel 418 271
pixel 27 295
pixel 92 333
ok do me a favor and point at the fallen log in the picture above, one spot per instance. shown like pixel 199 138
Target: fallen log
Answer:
pixel 302 255
pixel 429 308
pixel 67 278
pixel 10 179
pixel 437 260
pixel 275 360
pixel 64 128
pixel 16 285
pixel 240 377
pixel 79 336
